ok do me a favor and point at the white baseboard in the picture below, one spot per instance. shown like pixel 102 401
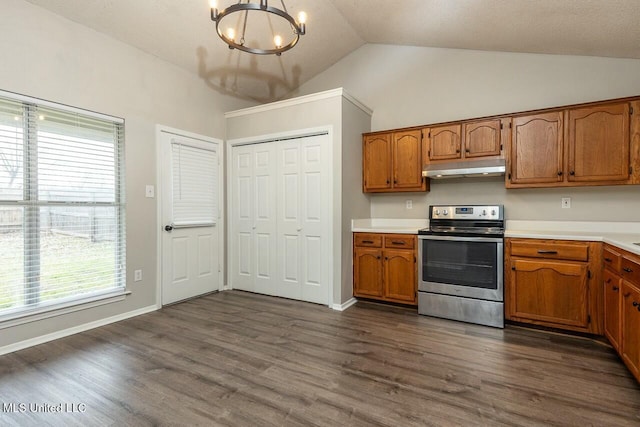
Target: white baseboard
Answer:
pixel 344 305
pixel 74 330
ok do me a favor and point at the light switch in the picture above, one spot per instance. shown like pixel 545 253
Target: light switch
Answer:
pixel 150 191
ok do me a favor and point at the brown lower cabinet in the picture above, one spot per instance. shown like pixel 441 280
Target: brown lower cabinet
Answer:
pixel 554 283
pixel 621 277
pixel 384 267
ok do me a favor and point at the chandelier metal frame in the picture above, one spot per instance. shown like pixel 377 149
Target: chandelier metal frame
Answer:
pixel 299 28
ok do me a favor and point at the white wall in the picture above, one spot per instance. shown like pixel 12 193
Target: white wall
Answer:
pixel 49 57
pixel 409 86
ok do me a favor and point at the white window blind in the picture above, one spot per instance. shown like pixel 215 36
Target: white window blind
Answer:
pixel 195 175
pixel 61 206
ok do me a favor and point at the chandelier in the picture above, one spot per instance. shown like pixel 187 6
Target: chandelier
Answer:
pixel 236 40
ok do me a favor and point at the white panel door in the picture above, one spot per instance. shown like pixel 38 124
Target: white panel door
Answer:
pixel 279 236
pixel 289 222
pixel 242 221
pixel 190 239
pixel 314 211
pixel 264 225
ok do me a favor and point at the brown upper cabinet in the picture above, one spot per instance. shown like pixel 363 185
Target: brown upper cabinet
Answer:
pixel 377 162
pixel 599 143
pixel 463 141
pixel 445 142
pixel 393 162
pixel 536 150
pixel 481 139
pixel 589 145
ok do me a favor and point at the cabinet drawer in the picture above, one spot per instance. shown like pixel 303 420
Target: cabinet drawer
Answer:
pixel 368 240
pixel 612 259
pixel 551 250
pixel 399 241
pixel 630 270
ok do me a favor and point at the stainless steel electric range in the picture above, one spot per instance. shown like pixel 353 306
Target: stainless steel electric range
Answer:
pixel 461 264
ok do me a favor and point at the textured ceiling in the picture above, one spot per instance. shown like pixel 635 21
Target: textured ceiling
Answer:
pixel 181 32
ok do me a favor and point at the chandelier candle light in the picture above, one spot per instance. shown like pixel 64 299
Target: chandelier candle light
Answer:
pixel 229 36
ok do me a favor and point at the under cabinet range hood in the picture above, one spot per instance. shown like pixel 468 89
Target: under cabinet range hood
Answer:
pixel 470 168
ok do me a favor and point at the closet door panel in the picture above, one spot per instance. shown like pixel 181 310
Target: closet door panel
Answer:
pixel 288 219
pixel 265 218
pixel 315 247
pixel 242 272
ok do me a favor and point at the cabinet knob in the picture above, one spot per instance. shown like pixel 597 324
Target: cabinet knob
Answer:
pixel 635 303
pixel 560 173
pixel 457 151
pixel 572 173
pixel 388 182
pixel 608 280
pixel 379 257
pixel 608 259
pixel 467 151
pixel 627 269
pixel 615 288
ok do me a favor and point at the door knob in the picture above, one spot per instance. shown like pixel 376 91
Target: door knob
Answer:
pixel 168 227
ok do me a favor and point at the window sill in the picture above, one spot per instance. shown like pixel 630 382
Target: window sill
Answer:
pixel 58 309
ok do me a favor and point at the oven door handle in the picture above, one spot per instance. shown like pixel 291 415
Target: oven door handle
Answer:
pixel 462 238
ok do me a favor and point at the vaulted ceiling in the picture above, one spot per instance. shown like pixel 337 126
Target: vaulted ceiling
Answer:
pixel 181 32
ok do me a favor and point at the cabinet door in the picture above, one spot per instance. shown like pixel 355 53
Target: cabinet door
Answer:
pixel 376 168
pixel 407 160
pixel 549 291
pixel 631 328
pixel 444 142
pixel 481 139
pixel 599 143
pixel 367 272
pixel 400 276
pixel 536 149
pixel 612 318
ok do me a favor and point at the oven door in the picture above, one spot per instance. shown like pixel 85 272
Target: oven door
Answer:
pixel 470 267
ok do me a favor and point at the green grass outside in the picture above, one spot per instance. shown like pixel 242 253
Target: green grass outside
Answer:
pixel 73 263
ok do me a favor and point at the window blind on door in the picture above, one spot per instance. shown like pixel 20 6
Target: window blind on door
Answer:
pixel 61 206
pixel 195 176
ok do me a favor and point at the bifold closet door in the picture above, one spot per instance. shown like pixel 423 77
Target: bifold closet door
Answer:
pixel 254 218
pixel 279 240
pixel 303 243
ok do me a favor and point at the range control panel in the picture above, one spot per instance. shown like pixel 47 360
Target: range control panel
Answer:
pixel 471 212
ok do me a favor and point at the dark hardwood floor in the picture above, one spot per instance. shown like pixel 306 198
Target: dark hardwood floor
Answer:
pixel 236 358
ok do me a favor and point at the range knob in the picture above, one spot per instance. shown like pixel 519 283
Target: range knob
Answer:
pixel 446 212
pixel 484 212
pixel 493 212
pixel 437 212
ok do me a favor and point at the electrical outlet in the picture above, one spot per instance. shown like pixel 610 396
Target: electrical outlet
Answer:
pixel 409 204
pixel 566 202
pixel 150 191
pixel 137 275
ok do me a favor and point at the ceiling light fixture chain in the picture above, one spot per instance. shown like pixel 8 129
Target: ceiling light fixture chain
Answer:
pixel 229 37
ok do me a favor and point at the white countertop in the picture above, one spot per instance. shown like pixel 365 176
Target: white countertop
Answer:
pixel 387 225
pixel 620 234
